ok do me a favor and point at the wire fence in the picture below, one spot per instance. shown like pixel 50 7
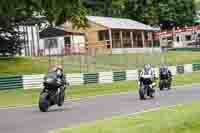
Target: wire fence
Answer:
pixel 100 58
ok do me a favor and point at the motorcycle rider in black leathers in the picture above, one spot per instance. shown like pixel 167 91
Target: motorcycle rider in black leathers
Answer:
pixel 165 73
pixel 61 77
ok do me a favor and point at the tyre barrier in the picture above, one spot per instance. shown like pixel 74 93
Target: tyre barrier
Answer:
pixel 11 82
pixel 180 69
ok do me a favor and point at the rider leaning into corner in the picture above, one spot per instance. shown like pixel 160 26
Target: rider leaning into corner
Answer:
pixel 148 71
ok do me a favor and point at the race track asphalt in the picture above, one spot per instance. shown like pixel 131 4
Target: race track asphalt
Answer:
pixel 31 120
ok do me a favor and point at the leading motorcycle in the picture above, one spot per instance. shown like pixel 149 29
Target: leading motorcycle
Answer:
pixel 53 92
pixel 145 87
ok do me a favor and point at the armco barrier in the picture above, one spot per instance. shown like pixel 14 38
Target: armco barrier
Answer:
pixel 180 69
pixel 11 82
pixel 35 81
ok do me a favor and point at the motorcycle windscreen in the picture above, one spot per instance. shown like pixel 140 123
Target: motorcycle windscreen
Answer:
pixel 50 80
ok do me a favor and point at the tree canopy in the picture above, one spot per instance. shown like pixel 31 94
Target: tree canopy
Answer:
pixel 15 13
pixel 147 11
pixel 153 12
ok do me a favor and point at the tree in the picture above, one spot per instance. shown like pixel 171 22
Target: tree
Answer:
pixel 13 14
pixel 10 37
pixel 112 8
pixel 151 12
pixel 155 11
pixel 58 12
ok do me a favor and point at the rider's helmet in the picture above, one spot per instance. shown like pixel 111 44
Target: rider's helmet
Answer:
pixel 147 67
pixel 53 69
pixel 59 70
pixel 163 68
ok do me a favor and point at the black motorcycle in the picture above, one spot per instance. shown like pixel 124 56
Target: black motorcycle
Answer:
pixel 145 89
pixel 53 92
pixel 165 83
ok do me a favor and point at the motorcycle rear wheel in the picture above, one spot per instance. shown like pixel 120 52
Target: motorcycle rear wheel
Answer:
pixel 142 94
pixel 163 84
pixel 61 99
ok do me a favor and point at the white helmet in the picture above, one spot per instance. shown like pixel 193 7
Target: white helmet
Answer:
pixel 147 67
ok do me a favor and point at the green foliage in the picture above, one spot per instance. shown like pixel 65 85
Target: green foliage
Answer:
pixel 10 42
pixel 147 11
pixel 12 14
pixel 155 11
pixel 56 12
pixel 105 7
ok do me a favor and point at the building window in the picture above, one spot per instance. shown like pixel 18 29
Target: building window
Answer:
pixel 103 35
pixel 116 35
pixel 163 39
pixel 198 35
pixel 67 40
pixel 116 39
pixel 146 35
pixel 178 39
pixel 137 39
pixel 188 38
pixel 126 36
pixel 170 38
pixel 51 43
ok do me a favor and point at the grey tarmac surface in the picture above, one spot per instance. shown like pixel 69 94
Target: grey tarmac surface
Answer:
pixel 31 120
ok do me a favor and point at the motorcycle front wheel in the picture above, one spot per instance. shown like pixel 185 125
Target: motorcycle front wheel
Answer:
pixel 44 102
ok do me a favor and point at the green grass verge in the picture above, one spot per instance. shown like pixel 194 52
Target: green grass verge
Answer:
pixel 179 119
pixel 76 64
pixel 28 97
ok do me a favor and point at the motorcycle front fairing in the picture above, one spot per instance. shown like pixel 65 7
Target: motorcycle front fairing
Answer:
pixel 146 80
pixel 51 81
